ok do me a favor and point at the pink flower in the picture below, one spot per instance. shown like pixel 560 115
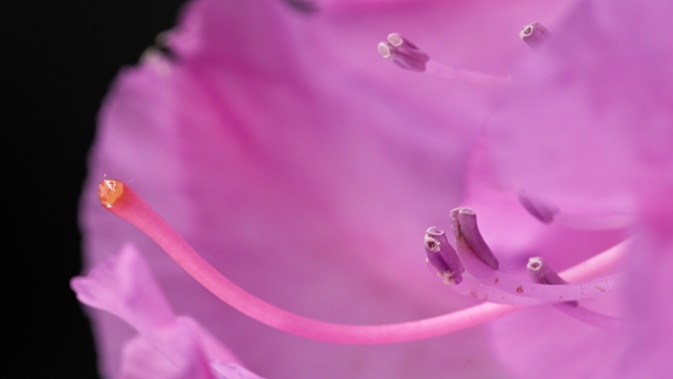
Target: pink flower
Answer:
pixel 304 168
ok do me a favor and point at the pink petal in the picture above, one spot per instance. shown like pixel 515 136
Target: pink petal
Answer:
pixel 545 342
pixel 649 300
pixel 185 359
pixel 142 360
pixel 590 120
pixel 124 286
pixel 168 346
pixel 515 235
pixel 587 126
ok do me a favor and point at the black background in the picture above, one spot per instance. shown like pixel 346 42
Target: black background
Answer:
pixel 59 58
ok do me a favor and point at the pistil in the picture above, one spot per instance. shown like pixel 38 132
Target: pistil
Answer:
pixel 119 199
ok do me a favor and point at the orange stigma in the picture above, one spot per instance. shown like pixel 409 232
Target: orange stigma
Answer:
pixel 109 191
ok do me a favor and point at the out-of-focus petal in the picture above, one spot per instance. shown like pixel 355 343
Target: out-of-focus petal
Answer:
pixel 167 346
pixel 545 342
pixel 586 126
pixel 142 360
pixel 515 235
pixel 588 123
pixel 649 300
pixel 185 359
pixel 584 351
pixel 124 286
pixel 225 370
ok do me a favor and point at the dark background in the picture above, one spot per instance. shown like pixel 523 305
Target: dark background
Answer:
pixel 59 59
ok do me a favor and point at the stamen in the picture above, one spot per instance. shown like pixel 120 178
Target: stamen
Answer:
pixel 472 287
pixel 464 221
pixel 538 208
pixel 119 199
pixel 408 56
pixel 541 273
pixel 109 191
pixel 403 53
pixel 535 35
pixel 442 256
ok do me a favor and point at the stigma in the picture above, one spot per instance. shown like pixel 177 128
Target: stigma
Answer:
pixel 109 191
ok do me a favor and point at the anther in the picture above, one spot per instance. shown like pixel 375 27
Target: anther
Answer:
pixel 442 256
pixel 464 222
pixel 538 208
pixel 534 35
pixel 540 273
pixel 305 6
pixel 403 53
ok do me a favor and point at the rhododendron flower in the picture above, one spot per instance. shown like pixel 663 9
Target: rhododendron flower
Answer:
pixel 305 169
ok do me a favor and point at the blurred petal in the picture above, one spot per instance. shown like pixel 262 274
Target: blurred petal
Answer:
pixel 515 235
pixel 142 360
pixel 168 346
pixel 124 286
pixel 187 360
pixel 590 121
pixel 649 301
